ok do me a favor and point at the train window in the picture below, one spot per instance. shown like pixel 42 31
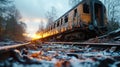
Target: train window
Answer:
pixel 57 23
pixel 54 25
pixel 85 8
pixel 66 19
pixel 51 27
pixel 61 21
pixel 75 12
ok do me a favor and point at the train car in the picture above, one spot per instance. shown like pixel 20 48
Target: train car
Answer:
pixel 87 19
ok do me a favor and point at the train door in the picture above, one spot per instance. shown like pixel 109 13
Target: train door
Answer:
pixel 98 15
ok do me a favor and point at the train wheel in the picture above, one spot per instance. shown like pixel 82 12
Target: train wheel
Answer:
pixel 91 27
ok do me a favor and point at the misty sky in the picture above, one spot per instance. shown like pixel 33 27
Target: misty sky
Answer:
pixel 33 11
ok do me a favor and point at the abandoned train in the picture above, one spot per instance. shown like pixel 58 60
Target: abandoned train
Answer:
pixel 87 19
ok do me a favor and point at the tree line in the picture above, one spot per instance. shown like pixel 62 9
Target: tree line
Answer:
pixel 10 26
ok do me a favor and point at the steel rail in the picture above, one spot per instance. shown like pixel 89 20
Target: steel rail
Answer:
pixel 82 43
pixel 5 51
pixel 5 48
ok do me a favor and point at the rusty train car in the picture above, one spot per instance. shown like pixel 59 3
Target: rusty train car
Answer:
pixel 86 20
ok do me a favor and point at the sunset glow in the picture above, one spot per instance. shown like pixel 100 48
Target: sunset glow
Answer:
pixel 36 36
pixel 33 36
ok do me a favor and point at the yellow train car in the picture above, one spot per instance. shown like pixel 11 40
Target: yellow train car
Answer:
pixel 87 17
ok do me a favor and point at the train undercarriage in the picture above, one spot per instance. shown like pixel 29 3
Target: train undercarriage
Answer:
pixel 74 35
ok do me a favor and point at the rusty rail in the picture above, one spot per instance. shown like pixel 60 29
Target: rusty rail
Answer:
pixel 81 43
pixel 6 48
pixel 5 51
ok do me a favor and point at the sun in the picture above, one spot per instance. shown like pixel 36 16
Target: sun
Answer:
pixel 36 36
pixel 33 36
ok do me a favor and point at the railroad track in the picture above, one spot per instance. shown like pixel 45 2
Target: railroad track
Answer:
pixel 81 43
pixel 20 46
pixel 5 50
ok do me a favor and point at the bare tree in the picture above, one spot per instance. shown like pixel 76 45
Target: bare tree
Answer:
pixel 10 27
pixel 113 13
pixel 4 5
pixel 74 2
pixel 41 27
pixel 51 15
pixel 112 9
pixel 14 28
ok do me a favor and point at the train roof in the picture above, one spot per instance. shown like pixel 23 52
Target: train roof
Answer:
pixel 83 1
pixel 69 11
